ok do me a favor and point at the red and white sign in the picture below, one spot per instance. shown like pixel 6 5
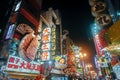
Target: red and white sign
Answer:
pixel 100 43
pixel 17 64
pixel 45 56
pixel 46 39
pixel 46 47
pixel 46 31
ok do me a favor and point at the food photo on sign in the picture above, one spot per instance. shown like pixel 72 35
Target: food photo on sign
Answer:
pixel 28 47
pixel 60 62
pixel 23 49
pixel 59 65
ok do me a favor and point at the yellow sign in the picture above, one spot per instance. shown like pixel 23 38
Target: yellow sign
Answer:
pixel 113 32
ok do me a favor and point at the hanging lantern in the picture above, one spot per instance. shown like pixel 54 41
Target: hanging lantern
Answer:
pixel 98 8
pixel 103 19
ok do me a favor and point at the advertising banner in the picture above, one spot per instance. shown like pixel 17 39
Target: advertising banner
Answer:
pixel 23 48
pixel 48 43
pixel 60 62
pixel 18 64
pixel 100 42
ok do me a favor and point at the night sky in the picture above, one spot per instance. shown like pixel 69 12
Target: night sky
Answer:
pixel 76 17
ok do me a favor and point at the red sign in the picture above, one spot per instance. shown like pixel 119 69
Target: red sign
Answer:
pixel 46 47
pixel 100 43
pixel 46 38
pixel 46 31
pixel 45 56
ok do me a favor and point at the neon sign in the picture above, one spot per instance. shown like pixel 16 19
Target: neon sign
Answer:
pixel 19 65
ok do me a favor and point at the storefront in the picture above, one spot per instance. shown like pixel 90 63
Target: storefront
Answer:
pixel 21 41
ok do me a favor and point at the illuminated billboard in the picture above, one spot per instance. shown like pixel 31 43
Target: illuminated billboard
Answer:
pixel 100 42
pixel 48 43
pixel 22 51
